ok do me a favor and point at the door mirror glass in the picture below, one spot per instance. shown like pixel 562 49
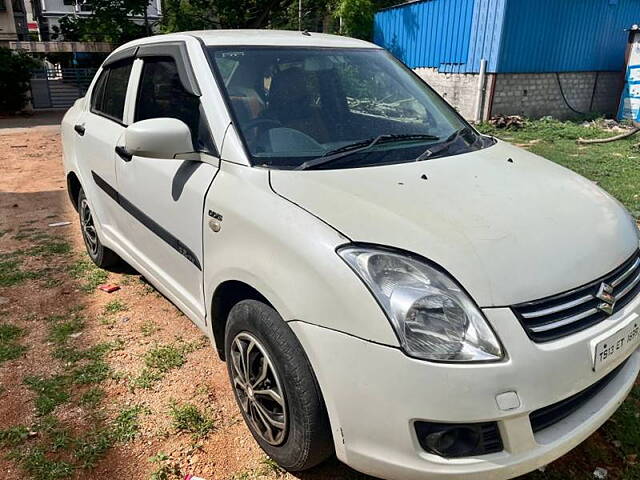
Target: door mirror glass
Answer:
pixel 158 138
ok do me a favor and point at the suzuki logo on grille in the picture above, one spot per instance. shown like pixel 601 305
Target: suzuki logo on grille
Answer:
pixel 605 293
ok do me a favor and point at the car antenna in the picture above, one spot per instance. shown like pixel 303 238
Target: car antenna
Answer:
pixel 306 33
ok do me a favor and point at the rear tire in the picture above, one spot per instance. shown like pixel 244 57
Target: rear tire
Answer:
pixel 101 255
pixel 277 391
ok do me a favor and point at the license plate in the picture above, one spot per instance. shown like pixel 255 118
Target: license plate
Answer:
pixel 617 345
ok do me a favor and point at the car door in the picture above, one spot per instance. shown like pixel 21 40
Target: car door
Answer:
pixel 98 131
pixel 164 198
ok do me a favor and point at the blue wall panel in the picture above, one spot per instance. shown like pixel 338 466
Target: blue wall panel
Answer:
pixel 428 33
pixel 514 36
pixel 484 37
pixel 566 35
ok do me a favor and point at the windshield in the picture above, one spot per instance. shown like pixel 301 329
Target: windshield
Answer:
pixel 335 107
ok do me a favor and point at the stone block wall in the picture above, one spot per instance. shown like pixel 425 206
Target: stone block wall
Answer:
pixel 536 95
pixel 459 89
pixel 532 95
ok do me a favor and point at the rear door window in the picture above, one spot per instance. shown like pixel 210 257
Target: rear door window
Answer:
pixel 111 91
pixel 98 91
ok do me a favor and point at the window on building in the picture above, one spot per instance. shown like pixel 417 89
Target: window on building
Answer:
pixel 161 95
pixel 110 92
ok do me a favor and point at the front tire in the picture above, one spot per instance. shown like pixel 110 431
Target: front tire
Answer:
pixel 101 255
pixel 276 388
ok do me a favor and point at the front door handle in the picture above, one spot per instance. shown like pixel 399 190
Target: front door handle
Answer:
pixel 123 153
pixel 79 129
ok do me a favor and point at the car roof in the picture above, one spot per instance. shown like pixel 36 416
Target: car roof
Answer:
pixel 262 38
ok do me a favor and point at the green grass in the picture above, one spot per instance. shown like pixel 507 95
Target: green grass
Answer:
pixel 92 398
pixel 90 448
pixel 148 328
pixel 60 439
pixel 61 330
pixel 51 392
pixel 146 379
pixel 13 436
pixel 10 349
pixel 36 463
pixel 90 275
pixel 268 467
pixel 115 306
pixel 49 249
pixel 71 354
pixel 165 357
pixel 166 469
pixel 93 372
pixel 161 359
pixel 11 273
pixel 615 165
pixel 188 418
pixel 127 425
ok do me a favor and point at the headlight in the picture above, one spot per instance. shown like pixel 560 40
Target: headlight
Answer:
pixel 432 316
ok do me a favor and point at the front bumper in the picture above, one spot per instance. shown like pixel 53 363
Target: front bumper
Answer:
pixel 375 393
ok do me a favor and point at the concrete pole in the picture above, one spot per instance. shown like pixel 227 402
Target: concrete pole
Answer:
pixel 481 89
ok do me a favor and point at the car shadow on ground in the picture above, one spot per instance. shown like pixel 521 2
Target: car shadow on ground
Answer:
pixel 332 469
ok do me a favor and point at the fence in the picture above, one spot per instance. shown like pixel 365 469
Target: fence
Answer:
pixel 59 87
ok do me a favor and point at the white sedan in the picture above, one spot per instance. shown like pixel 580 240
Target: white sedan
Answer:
pixel 384 282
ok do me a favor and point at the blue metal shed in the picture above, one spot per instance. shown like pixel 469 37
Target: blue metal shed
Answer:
pixel 514 36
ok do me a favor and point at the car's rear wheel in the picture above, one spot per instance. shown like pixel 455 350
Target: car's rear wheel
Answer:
pixel 101 255
pixel 275 387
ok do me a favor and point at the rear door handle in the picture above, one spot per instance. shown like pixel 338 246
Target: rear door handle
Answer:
pixel 79 129
pixel 123 153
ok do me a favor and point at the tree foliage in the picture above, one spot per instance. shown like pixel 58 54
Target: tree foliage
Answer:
pixel 15 72
pixel 214 14
pixel 109 22
pixel 356 18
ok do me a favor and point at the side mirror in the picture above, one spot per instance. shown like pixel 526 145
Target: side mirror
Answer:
pixel 158 138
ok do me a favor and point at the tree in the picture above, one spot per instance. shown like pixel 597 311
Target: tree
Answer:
pixel 108 22
pixel 317 15
pixel 181 15
pixel 15 72
pixel 214 14
pixel 356 18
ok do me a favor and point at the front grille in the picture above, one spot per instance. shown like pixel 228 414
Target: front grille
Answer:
pixel 569 312
pixel 547 416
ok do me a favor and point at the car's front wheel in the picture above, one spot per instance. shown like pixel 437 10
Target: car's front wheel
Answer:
pixel 275 387
pixel 101 255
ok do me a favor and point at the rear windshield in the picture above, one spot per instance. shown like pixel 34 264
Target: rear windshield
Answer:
pixel 358 107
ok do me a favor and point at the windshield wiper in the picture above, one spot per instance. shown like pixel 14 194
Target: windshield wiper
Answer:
pixel 441 147
pixel 360 146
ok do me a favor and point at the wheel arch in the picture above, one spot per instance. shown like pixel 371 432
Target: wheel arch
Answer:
pixel 226 295
pixel 73 188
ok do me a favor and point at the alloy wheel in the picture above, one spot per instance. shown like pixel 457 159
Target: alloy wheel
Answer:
pixel 258 388
pixel 88 228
